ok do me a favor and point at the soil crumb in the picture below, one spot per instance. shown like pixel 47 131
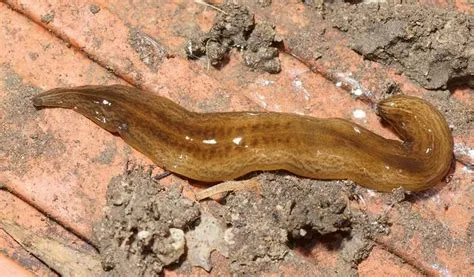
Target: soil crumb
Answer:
pixel 431 46
pixel 143 227
pixel 151 52
pixel 47 18
pixel 235 27
pixel 94 9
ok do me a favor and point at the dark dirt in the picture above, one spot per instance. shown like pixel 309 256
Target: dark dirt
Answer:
pixel 93 8
pixel 150 51
pixel 262 227
pixel 260 54
pixel 290 213
pixel 16 145
pixel 143 227
pixel 235 27
pixel 431 46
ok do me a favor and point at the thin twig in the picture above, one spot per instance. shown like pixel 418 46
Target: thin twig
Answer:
pixel 228 187
pixel 201 2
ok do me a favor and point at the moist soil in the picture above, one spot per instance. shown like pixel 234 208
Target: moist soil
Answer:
pixel 265 228
pixel 142 229
pixel 432 46
pixel 147 226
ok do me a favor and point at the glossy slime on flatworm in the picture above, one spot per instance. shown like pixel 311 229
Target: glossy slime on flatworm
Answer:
pixel 214 147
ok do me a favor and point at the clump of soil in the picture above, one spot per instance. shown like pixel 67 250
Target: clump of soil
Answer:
pixel 235 27
pixel 93 8
pixel 142 229
pixel 431 46
pixel 289 211
pixel 304 206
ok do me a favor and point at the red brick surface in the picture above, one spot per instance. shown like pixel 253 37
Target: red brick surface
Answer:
pixel 78 47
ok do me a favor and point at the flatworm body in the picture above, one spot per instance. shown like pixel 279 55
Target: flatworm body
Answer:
pixel 214 147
